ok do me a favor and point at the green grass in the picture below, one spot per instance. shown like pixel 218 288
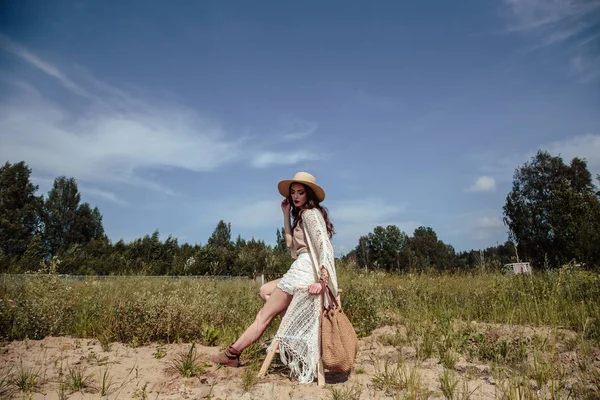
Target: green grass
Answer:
pixel 441 316
pixel 187 363
pixel 138 311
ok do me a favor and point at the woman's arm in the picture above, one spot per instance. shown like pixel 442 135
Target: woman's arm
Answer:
pixel 287 227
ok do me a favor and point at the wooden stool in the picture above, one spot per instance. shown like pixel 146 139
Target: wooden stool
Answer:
pixel 275 346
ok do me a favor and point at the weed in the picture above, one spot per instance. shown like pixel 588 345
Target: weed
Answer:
pixel 106 383
pixel 105 340
pixel 160 352
pixel 27 378
pixel 141 394
pixel 448 385
pixel 6 384
pixel 77 379
pixel 346 392
pixel 209 334
pixel 185 363
pixel 448 358
pixel 249 377
pixel 93 359
pixel 389 378
pixel 414 387
pixel 396 340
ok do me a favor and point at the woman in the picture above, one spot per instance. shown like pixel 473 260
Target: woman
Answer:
pixel 297 293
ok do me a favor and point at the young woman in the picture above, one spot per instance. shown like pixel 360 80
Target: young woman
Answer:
pixel 308 231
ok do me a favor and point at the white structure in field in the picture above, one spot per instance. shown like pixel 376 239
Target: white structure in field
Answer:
pixel 518 268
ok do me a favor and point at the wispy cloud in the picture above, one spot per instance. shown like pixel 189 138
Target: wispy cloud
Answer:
pixel 103 194
pixel 586 146
pixel 115 136
pixel 487 222
pixel 269 158
pixel 366 210
pixel 553 22
pixel 296 129
pixel 483 184
pixel 49 69
pixel 582 146
pixel 355 218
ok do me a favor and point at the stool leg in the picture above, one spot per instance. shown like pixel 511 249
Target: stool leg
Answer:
pixel 320 374
pixel 267 362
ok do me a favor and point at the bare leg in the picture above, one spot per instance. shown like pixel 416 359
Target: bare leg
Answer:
pixel 266 289
pixel 277 302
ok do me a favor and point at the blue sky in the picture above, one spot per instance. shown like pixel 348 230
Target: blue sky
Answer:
pixel 175 115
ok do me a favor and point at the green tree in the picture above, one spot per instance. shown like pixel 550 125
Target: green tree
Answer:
pixel 221 236
pixel 381 248
pixel 281 246
pixel 20 211
pixel 67 221
pixel 553 212
pixel 424 251
pixel 88 225
pixel 61 210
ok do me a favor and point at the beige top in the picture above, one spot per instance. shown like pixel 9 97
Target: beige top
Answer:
pixel 299 241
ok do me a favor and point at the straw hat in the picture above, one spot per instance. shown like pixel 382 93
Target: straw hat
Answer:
pixel 302 177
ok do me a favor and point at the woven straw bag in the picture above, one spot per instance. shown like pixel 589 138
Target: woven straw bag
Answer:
pixel 338 339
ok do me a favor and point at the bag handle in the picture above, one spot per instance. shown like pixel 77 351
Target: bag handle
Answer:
pixel 332 299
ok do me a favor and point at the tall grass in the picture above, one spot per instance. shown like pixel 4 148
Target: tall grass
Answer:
pixel 137 310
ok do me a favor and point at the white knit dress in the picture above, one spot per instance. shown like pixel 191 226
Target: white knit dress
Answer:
pixel 298 334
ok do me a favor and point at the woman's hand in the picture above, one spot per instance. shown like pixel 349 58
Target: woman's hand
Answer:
pixel 285 206
pixel 315 288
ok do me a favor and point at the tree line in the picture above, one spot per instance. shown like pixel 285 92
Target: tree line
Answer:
pixel 552 216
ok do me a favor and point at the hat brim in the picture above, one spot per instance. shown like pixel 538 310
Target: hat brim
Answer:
pixel 284 188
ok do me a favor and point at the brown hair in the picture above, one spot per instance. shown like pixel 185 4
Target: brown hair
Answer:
pixel 311 202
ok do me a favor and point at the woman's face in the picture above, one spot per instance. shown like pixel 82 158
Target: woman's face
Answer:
pixel 298 194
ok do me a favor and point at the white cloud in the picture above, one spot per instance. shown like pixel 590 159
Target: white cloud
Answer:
pixel 536 14
pixel 553 22
pixel 355 218
pixel 115 136
pixel 109 146
pixel 365 210
pixel 297 129
pixel 42 65
pixel 586 146
pixel 484 184
pixel 269 158
pixel 102 194
pixel 254 214
pixel 489 223
pixel 582 146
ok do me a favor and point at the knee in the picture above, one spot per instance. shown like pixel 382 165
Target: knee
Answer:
pixel 263 292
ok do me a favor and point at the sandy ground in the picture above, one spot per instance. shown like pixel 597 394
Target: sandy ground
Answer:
pixel 137 373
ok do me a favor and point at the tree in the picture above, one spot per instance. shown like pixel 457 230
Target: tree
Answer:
pixel 424 250
pixel 381 248
pixel 281 246
pixel 553 212
pixel 20 210
pixel 221 236
pixel 61 210
pixel 88 225
pixel 67 221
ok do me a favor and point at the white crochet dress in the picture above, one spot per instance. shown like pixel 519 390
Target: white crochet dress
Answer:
pixel 298 334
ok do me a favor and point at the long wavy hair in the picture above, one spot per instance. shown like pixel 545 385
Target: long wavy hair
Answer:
pixel 311 202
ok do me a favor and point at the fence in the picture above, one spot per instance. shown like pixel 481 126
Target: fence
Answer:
pixel 6 277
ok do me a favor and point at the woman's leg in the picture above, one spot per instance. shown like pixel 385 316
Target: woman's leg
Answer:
pixel 277 302
pixel 268 288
